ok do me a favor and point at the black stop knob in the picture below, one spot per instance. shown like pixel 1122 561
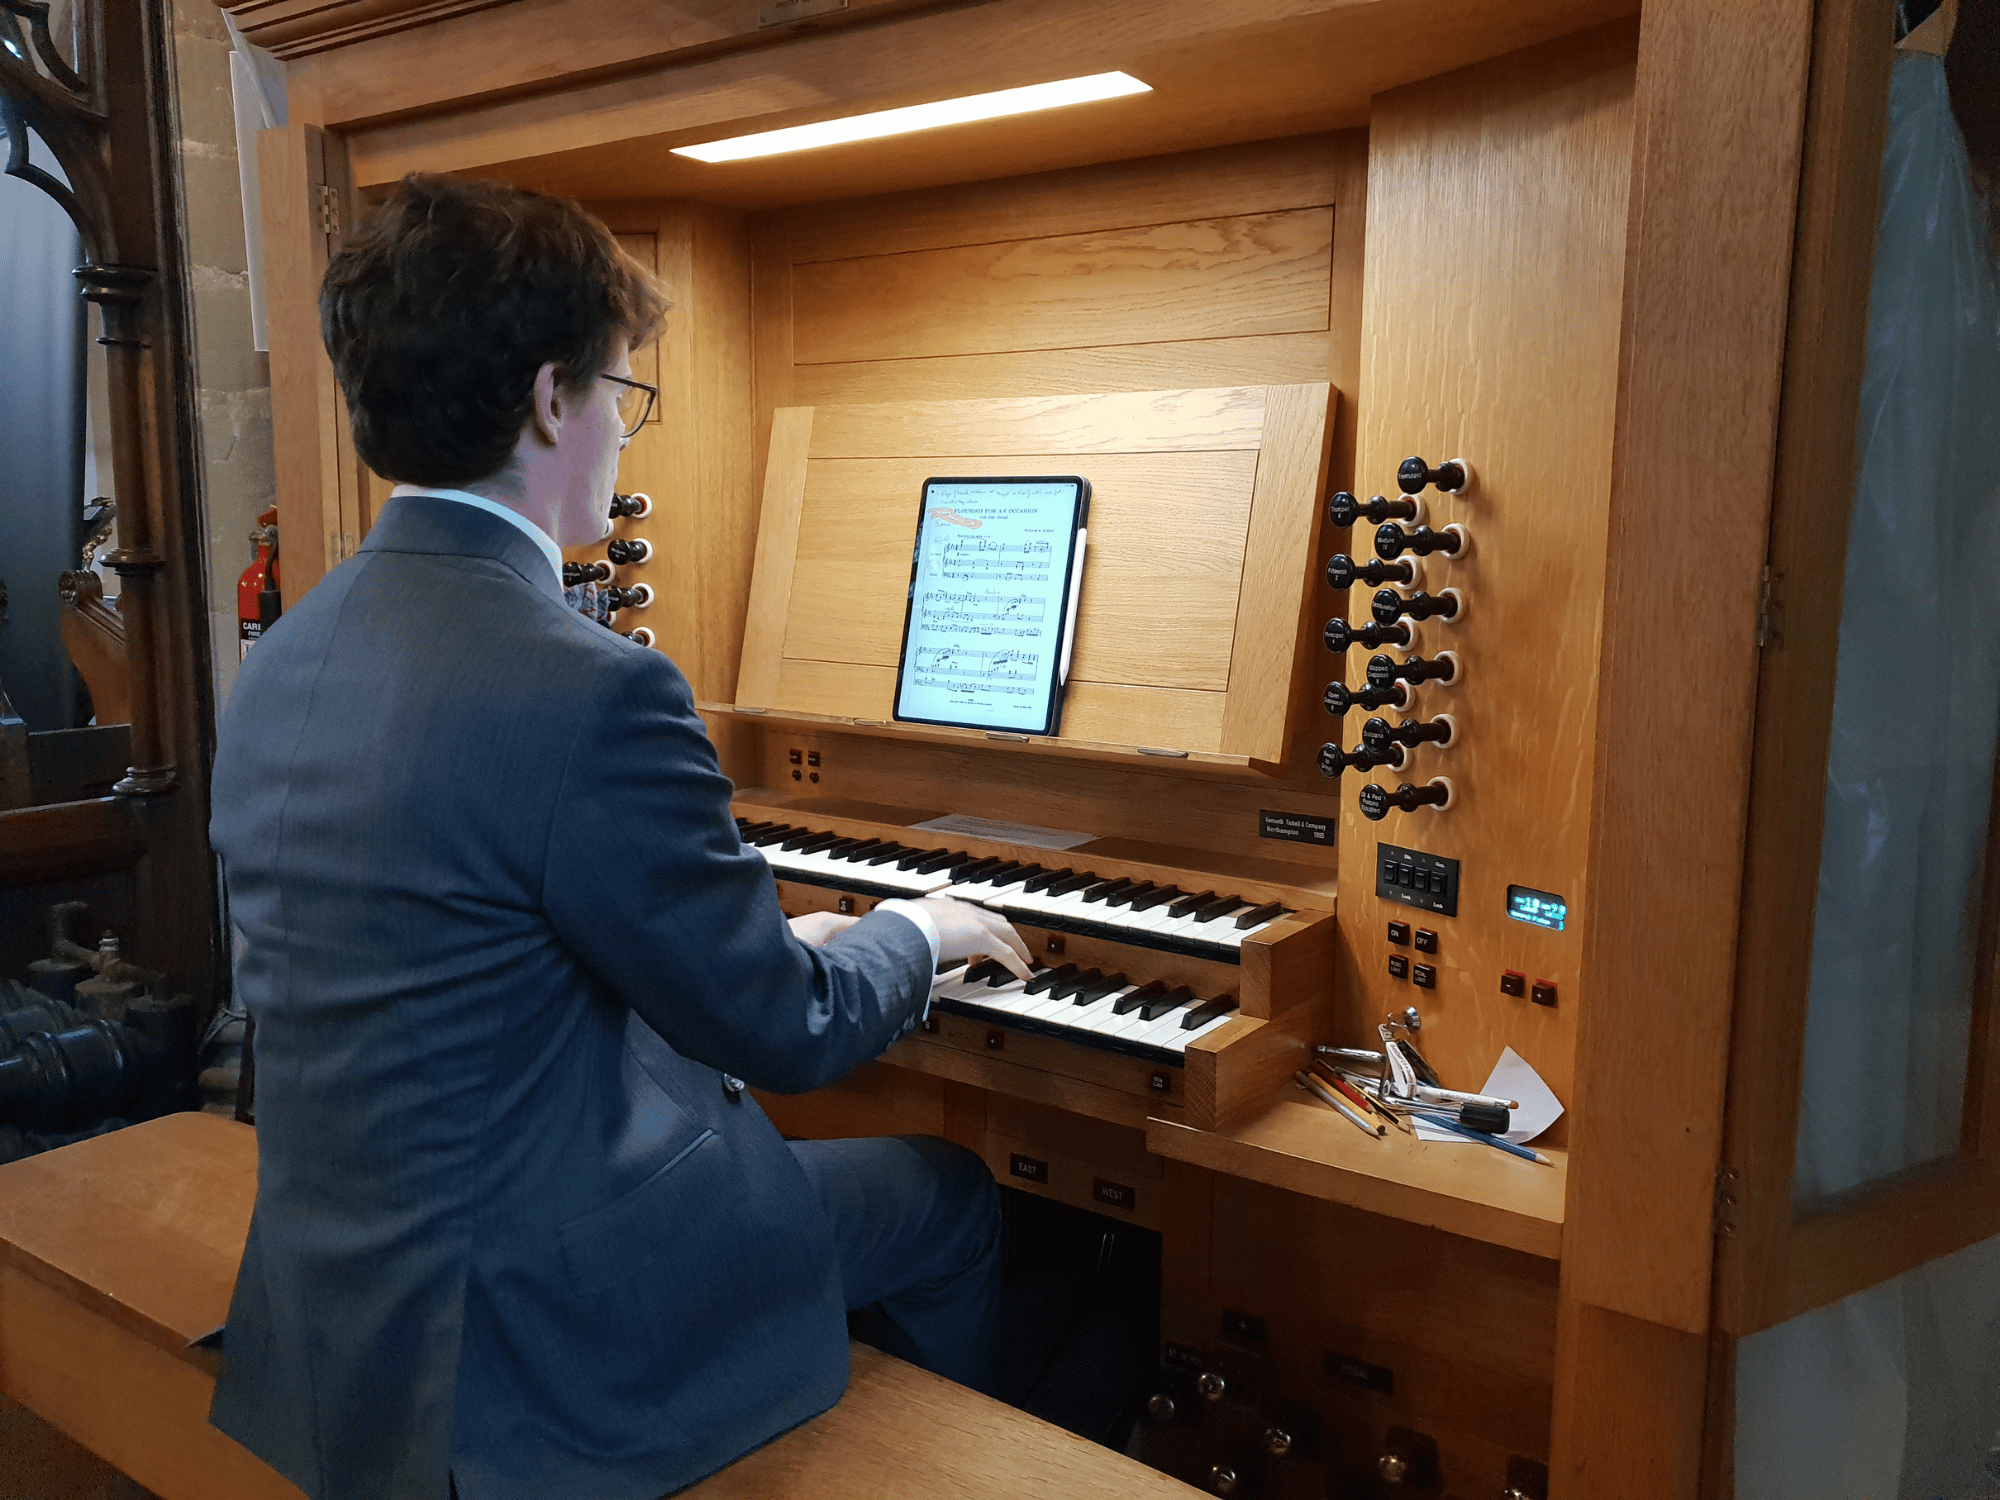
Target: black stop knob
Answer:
pixel 1340 635
pixel 1333 760
pixel 1340 697
pixel 1343 510
pixel 1392 541
pixel 1343 572
pixel 1377 800
pixel 637 597
pixel 585 572
pixel 1384 670
pixel 1389 605
pixel 1377 732
pixel 1450 476
pixel 636 551
pixel 631 506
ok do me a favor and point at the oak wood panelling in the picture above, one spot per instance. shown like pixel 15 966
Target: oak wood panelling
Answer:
pixel 1161 527
pixel 1253 70
pixel 1213 278
pixel 1527 159
pixel 1707 278
pixel 1629 1402
pixel 1194 492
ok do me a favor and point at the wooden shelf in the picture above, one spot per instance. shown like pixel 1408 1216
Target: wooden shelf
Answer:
pixel 1304 1147
pixel 937 734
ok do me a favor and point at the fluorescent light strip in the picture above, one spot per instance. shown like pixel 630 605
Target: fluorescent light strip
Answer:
pixel 883 122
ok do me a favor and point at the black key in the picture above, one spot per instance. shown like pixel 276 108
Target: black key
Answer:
pixel 1074 983
pixel 936 862
pixel 886 853
pixel 1126 896
pixel 861 850
pixel 1159 895
pixel 1046 878
pixel 1263 913
pixel 978 870
pixel 1069 883
pixel 1041 982
pixel 812 845
pixel 986 968
pixel 1174 999
pixel 1201 1015
pixel 1105 889
pixel 1124 1005
pixel 839 848
pixel 1215 909
pixel 1190 903
pixel 772 834
pixel 1097 989
pixel 914 858
pixel 745 829
pixel 1007 874
pixel 995 980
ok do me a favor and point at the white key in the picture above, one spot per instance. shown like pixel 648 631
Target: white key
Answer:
pixel 1179 1043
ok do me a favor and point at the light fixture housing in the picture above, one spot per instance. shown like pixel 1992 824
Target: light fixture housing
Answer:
pixel 886 122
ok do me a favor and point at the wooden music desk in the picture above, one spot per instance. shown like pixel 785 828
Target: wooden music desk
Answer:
pixel 117 1253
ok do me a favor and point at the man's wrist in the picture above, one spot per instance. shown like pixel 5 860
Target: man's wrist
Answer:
pixel 922 920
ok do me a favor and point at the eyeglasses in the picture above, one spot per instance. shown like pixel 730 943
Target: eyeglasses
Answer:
pixel 635 402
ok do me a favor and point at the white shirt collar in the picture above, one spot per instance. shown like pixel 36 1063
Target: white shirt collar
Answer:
pixel 533 532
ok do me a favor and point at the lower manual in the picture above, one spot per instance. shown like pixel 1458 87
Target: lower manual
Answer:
pixel 1153 1021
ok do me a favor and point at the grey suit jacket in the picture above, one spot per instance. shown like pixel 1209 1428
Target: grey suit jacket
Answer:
pixel 501 941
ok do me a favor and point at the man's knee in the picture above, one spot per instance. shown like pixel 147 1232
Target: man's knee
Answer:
pixel 967 1199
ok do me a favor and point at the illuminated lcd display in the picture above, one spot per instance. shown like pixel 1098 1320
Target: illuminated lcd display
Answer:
pixel 1537 908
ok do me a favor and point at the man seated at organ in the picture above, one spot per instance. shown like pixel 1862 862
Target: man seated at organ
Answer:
pixel 520 1231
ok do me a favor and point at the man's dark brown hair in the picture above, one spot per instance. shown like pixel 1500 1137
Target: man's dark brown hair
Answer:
pixel 441 307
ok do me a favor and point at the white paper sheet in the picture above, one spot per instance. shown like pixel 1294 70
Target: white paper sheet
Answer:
pixel 1006 833
pixel 1512 1078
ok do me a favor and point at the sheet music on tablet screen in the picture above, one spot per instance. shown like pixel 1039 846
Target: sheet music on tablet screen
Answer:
pixel 983 641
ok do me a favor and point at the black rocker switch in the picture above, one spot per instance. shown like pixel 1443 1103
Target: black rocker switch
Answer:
pixel 636 507
pixel 1399 966
pixel 1377 732
pixel 1383 670
pixel 1376 800
pixel 1391 541
pixel 636 551
pixel 1513 982
pixel 1333 760
pixel 585 572
pixel 1340 635
pixel 1340 697
pixel 1399 934
pixel 1388 606
pixel 1543 992
pixel 1343 510
pixel 1424 977
pixel 1343 572
pixel 1427 940
pixel 1451 476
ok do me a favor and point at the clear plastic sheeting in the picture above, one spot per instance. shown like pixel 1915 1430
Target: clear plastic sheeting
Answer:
pixel 1894 1393
pixel 1917 694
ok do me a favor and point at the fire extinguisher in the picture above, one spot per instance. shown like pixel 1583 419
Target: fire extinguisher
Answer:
pixel 258 604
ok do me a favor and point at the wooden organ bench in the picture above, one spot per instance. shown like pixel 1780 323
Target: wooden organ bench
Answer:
pixel 118 1254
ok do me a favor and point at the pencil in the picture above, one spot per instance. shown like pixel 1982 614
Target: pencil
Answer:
pixel 1492 1140
pixel 1338 1103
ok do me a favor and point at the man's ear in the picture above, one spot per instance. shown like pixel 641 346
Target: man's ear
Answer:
pixel 548 404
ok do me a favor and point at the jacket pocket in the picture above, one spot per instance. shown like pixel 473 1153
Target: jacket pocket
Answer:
pixel 631 1233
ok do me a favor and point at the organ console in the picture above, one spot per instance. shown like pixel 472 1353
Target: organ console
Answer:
pixel 1331 233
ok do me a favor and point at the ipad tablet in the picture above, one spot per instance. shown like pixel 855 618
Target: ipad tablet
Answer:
pixel 992 602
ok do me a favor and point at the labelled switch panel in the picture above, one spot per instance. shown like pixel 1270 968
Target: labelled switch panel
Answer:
pixel 1424 977
pixel 1414 878
pixel 1399 966
pixel 1427 940
pixel 1399 934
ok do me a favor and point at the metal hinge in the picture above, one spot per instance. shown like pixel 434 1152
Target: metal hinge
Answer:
pixel 329 212
pixel 1726 1178
pixel 1770 608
